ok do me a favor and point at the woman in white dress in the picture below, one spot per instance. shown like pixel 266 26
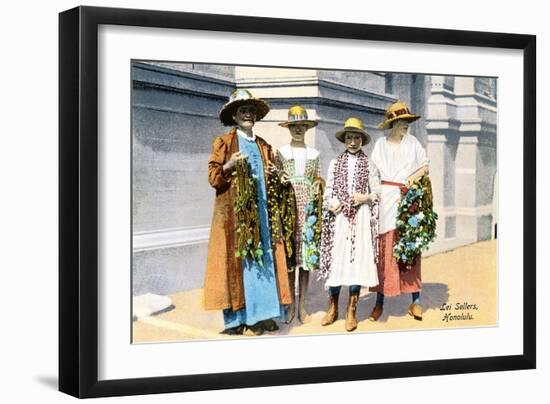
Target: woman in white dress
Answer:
pixel 350 228
pixel 301 168
pixel 400 159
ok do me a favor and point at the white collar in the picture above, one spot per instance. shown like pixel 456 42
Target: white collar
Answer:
pixel 245 136
pixel 405 139
pixel 287 151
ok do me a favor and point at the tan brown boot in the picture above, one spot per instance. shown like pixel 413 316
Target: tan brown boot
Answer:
pixel 415 310
pixel 303 278
pixel 351 319
pixel 332 312
pixel 291 311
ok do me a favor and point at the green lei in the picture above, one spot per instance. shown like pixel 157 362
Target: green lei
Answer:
pixel 248 243
pixel 281 204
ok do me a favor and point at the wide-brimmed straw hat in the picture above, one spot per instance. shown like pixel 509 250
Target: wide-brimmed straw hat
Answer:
pixel 242 97
pixel 297 115
pixel 353 125
pixel 397 110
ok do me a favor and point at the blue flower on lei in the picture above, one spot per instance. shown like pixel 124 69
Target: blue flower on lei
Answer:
pixel 413 221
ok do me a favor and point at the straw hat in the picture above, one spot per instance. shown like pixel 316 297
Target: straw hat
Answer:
pixel 397 110
pixel 353 125
pixel 297 115
pixel 242 97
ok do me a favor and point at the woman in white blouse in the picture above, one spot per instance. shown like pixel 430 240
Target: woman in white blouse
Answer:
pixel 400 159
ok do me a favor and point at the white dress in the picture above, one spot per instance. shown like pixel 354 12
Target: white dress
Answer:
pixel 362 271
pixel 395 162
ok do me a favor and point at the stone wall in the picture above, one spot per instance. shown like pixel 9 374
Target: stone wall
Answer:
pixel 175 118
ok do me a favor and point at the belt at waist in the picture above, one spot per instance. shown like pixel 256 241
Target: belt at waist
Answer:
pixel 395 184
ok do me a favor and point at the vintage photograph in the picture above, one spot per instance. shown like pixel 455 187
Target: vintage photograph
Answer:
pixel 282 202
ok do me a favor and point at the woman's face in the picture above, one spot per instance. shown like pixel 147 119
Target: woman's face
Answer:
pixel 297 132
pixel 245 117
pixel 400 128
pixel 353 141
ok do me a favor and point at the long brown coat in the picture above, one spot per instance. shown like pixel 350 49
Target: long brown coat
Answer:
pixel 223 284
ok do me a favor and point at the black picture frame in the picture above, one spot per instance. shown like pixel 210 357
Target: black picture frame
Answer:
pixel 78 201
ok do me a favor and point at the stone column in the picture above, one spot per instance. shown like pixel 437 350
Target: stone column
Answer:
pixel 476 156
pixel 442 134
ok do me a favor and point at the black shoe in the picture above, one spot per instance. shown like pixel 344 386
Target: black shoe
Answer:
pixel 238 330
pixel 269 325
pixel 254 330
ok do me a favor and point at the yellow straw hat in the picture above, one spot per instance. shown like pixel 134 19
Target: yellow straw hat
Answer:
pixel 353 125
pixel 242 97
pixel 397 110
pixel 297 115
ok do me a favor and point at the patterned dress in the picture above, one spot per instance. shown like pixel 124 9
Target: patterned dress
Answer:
pixel 302 169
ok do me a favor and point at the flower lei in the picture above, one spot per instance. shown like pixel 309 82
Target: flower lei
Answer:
pixel 340 192
pixel 311 235
pixel 281 203
pixel 416 222
pixel 249 244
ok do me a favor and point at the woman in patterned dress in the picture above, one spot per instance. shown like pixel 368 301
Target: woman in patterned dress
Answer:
pixel 300 166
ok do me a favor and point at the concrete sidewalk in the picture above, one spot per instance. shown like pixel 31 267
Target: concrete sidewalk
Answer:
pixel 459 290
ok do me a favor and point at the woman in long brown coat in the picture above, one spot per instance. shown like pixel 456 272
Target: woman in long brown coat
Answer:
pixel 249 294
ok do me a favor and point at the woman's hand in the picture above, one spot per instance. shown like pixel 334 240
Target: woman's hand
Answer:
pixel 232 163
pixel 359 199
pixel 416 175
pixel 285 179
pixel 373 198
pixel 335 206
pixel 272 168
pixel 318 184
